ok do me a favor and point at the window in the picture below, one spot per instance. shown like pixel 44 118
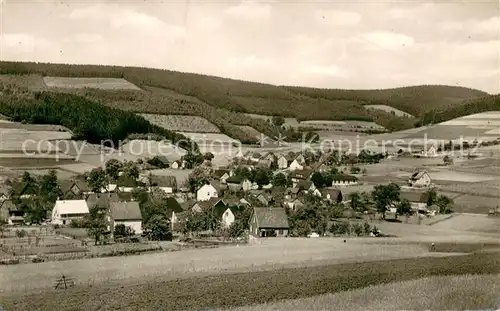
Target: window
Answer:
pixel 280 232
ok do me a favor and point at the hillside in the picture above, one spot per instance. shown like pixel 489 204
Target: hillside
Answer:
pixel 223 101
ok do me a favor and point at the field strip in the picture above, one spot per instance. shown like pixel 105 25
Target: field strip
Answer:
pixel 241 289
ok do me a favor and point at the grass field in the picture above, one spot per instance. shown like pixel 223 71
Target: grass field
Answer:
pixel 181 123
pixel 386 108
pixel 240 289
pixel 93 83
pixel 209 138
pixel 466 292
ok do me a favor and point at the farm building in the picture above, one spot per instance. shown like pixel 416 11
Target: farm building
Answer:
pixel 417 199
pixel 332 195
pixel 299 175
pixel 237 183
pixel 207 191
pixel 126 183
pixel 67 210
pixel 126 213
pixel 269 222
pixel 227 214
pixel 255 157
pixel 344 180
pixel 266 199
pixel 294 204
pixel 74 188
pixel 166 183
pixel 10 213
pixel 308 187
pixel 420 179
pixel 173 209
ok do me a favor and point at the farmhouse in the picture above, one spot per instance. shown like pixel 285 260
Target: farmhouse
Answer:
pixel 269 157
pixel 125 213
pixel 255 157
pixel 24 191
pixel 308 187
pixel 269 222
pixel 68 210
pixel 431 152
pixel 237 183
pixel 417 199
pixel 294 204
pixel 420 179
pixel 178 164
pixel 174 208
pixel 295 165
pixel 74 188
pixel 207 191
pixel 283 161
pixel 10 213
pixel 265 199
pixel 227 214
pixel 332 195
pixel 126 183
pixel 167 184
pixel 344 180
pixel 297 176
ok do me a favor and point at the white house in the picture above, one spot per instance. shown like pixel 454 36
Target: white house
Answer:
pixel 431 152
pixel 126 183
pixel 282 162
pixel 420 179
pixel 344 180
pixel 66 211
pixel 125 213
pixel 237 183
pixel 295 165
pixel 206 192
pixel 178 164
pixel 308 187
pixel 166 183
pixel 226 214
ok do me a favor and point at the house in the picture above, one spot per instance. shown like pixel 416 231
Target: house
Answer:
pixel 174 208
pixel 227 214
pixel 344 180
pixel 295 165
pixel 282 162
pixel 264 163
pixel 420 179
pixel 207 191
pixel 74 188
pixel 294 204
pixel 237 183
pixel 10 213
pixel 179 164
pixel 68 210
pixel 125 213
pixel 266 199
pixel 24 190
pixel 126 183
pixel 239 154
pixel 222 175
pixel 332 195
pixel 308 187
pixel 255 157
pixel 292 193
pixel 166 183
pixel 300 158
pixel 299 175
pixel 320 167
pixel 269 157
pixel 269 222
pixel 431 152
pixel 417 199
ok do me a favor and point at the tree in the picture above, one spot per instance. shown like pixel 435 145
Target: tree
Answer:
pixel 278 120
pixel 3 222
pixel 49 187
pixel 132 170
pixel 385 196
pixel 403 208
pixel 356 203
pixel 193 159
pixel 113 168
pixel 317 179
pixel 447 160
pixel 208 156
pixel 97 179
pixel 445 204
pixel 158 228
pixel 243 172
pixel 95 222
pixel 279 180
pixel 262 177
pixel 20 233
pixel 36 209
pixel 123 231
pixel 431 197
pixel 199 176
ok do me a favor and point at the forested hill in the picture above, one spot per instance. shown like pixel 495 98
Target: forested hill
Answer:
pixel 222 101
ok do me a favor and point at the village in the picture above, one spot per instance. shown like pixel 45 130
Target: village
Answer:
pixel 308 194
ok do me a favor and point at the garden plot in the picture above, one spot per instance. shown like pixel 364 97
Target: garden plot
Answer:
pixel 92 83
pixel 389 109
pixel 459 177
pixel 476 204
pixel 181 123
pixel 180 175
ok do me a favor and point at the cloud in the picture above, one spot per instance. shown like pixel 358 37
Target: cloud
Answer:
pixel 408 11
pixel 338 17
pixel 87 38
pixel 19 43
pixel 490 26
pixel 249 61
pixel 125 19
pixel 250 11
pixel 388 40
pixel 330 70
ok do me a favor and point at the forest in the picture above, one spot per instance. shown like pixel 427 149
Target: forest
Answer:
pixel 88 120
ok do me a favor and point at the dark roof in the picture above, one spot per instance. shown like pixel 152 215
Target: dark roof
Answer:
pixel 66 185
pixel 220 209
pixel 218 186
pixel 105 199
pixel 82 184
pixel 414 196
pixel 293 190
pixel 235 180
pixel 304 184
pixel 271 217
pixel 417 175
pixel 334 193
pixel 256 155
pixel 126 181
pixel 173 205
pixel 186 205
pixel 338 177
pixel 163 181
pixel 220 172
pixel 125 211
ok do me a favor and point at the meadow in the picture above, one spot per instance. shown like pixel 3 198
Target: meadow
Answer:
pixel 94 83
pixel 390 109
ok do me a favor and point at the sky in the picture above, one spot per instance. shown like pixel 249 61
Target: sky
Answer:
pixel 330 44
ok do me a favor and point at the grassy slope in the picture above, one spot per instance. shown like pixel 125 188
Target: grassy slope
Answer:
pixel 177 92
pixel 223 291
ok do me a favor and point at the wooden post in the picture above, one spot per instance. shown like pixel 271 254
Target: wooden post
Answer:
pixel 64 280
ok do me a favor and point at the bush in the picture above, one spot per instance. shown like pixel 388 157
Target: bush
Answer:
pixel 77 223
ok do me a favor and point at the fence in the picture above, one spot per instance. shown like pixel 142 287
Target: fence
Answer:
pixel 64 282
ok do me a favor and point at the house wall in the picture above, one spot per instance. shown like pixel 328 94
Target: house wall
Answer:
pixel 424 181
pixel 174 165
pixel 227 218
pixel 206 192
pixel 126 189
pixel 167 189
pixel 134 224
pixel 253 226
pixel 224 177
pixel 282 163
pixel 295 166
pixel 234 187
pixel 344 182
pixel 246 185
